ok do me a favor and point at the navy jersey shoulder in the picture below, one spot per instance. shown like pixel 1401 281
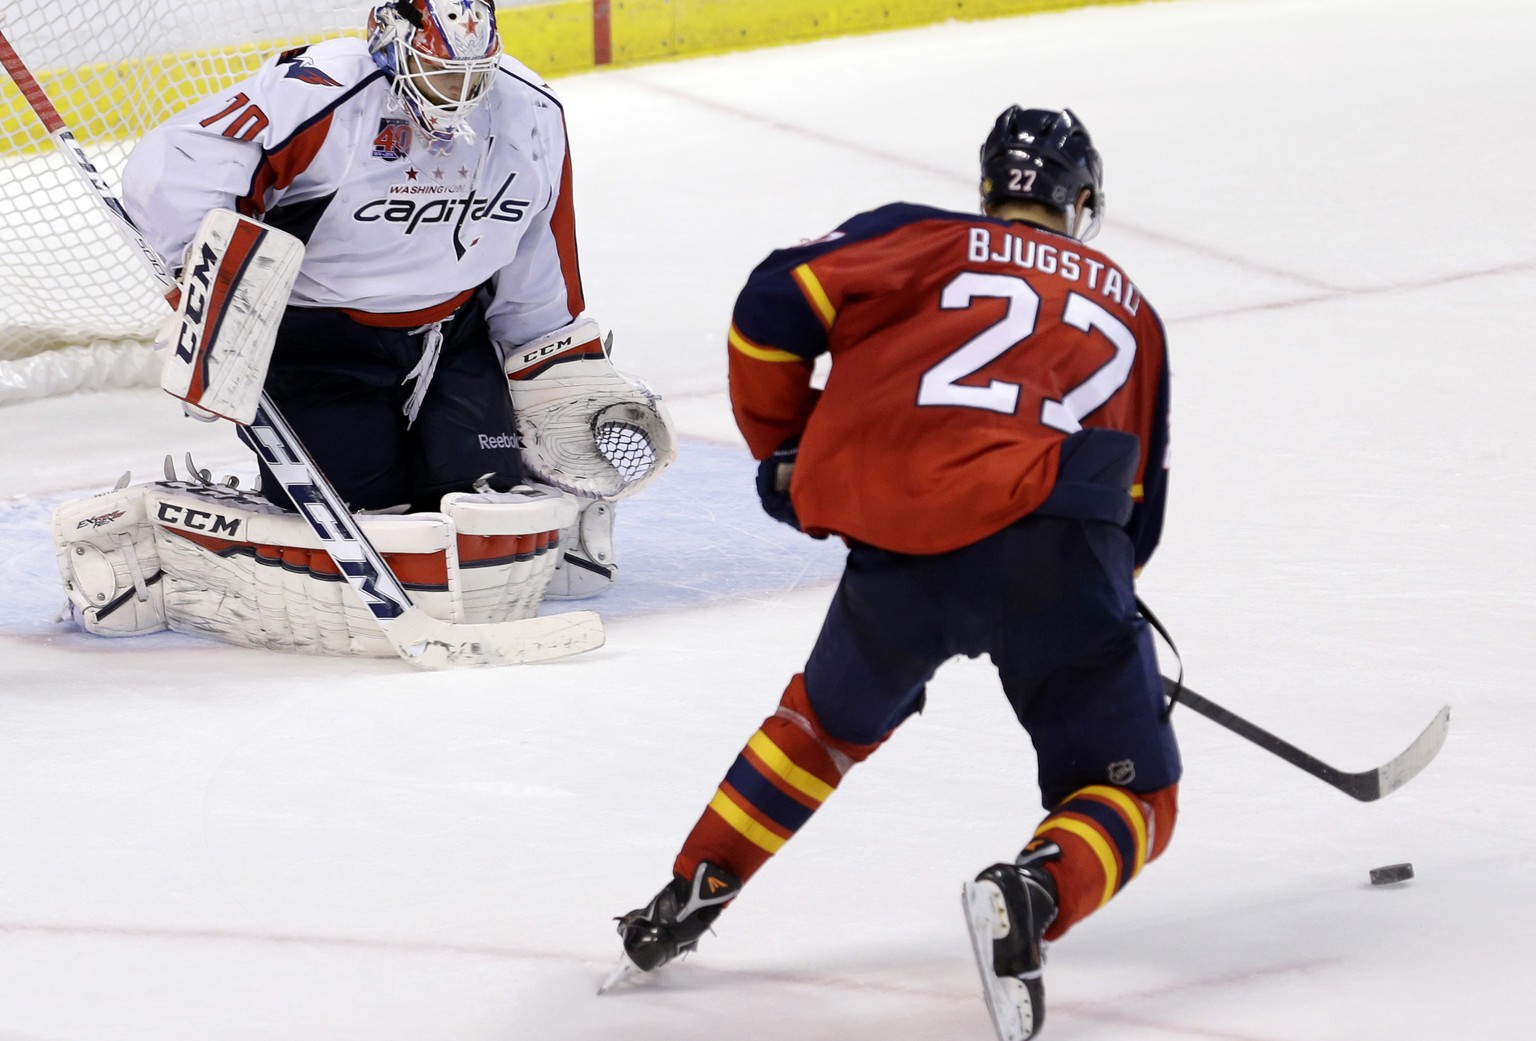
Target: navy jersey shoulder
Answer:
pixel 862 227
pixel 772 309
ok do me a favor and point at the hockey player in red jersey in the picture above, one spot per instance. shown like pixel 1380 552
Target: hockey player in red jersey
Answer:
pixel 991 443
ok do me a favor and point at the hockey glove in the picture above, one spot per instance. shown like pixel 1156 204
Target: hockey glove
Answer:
pixel 773 476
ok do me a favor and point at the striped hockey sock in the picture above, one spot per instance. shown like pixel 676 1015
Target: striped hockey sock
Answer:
pixel 1106 836
pixel 785 772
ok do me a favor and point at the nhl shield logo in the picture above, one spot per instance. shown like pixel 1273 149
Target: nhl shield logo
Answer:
pixel 393 141
pixel 1122 773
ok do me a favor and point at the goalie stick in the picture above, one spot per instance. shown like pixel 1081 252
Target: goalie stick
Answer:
pixel 1366 785
pixel 417 637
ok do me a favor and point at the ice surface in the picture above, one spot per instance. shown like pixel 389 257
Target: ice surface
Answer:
pixel 1328 202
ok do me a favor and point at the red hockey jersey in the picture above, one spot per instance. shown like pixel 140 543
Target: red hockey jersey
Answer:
pixel 964 350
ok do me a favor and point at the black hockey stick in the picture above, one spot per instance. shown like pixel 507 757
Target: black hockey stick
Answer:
pixel 416 636
pixel 1366 785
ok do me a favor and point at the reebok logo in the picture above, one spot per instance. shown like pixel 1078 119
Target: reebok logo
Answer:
pixel 490 441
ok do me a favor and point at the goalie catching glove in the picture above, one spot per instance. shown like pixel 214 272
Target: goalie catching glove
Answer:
pixel 584 427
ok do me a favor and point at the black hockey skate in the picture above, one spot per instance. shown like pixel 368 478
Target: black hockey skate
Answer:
pixel 1008 908
pixel 672 923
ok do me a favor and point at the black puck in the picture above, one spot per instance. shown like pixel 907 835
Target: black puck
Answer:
pixel 1385 876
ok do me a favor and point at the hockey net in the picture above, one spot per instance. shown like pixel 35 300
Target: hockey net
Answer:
pixel 77 310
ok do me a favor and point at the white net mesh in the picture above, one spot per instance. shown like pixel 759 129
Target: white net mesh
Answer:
pixel 72 295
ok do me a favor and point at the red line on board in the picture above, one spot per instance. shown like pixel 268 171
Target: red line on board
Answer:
pixel 602 32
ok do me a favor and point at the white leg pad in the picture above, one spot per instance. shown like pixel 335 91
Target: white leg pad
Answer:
pixel 217 562
pixel 240 570
pixel 106 551
pixel 508 545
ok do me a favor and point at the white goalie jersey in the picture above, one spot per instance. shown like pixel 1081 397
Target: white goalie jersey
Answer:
pixel 395 227
pixel 315 144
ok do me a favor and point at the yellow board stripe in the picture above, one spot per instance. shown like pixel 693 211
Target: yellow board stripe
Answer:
pixel 553 38
pixel 1131 810
pixel 810 285
pixel 739 819
pixel 802 781
pixel 1096 842
pixel 752 350
pixel 647 30
pixel 98 101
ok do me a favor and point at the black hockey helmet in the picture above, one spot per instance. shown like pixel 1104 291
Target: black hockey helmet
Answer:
pixel 1039 155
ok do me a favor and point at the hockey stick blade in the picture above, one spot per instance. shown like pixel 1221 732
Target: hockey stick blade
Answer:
pixel 1366 785
pixel 432 643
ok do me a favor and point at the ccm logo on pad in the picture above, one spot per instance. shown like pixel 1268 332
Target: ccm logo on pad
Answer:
pixel 198 520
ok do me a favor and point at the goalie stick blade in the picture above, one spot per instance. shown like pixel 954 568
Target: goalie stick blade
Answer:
pixel 1366 785
pixel 431 643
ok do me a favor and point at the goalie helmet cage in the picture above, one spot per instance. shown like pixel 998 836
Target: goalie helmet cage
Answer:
pixel 77 309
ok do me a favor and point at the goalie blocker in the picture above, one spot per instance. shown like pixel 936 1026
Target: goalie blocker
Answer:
pixel 212 560
pixel 587 429
pixel 229 300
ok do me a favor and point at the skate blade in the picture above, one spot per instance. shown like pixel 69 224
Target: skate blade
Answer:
pixel 621 972
pixel 1008 1000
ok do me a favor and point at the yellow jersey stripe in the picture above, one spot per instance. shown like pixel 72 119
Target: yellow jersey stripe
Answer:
pixel 738 818
pixel 810 285
pixel 802 781
pixel 752 350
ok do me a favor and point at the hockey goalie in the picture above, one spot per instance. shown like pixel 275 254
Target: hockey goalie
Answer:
pixel 390 260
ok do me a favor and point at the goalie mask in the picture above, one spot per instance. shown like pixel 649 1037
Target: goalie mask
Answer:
pixel 1037 155
pixel 440 57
